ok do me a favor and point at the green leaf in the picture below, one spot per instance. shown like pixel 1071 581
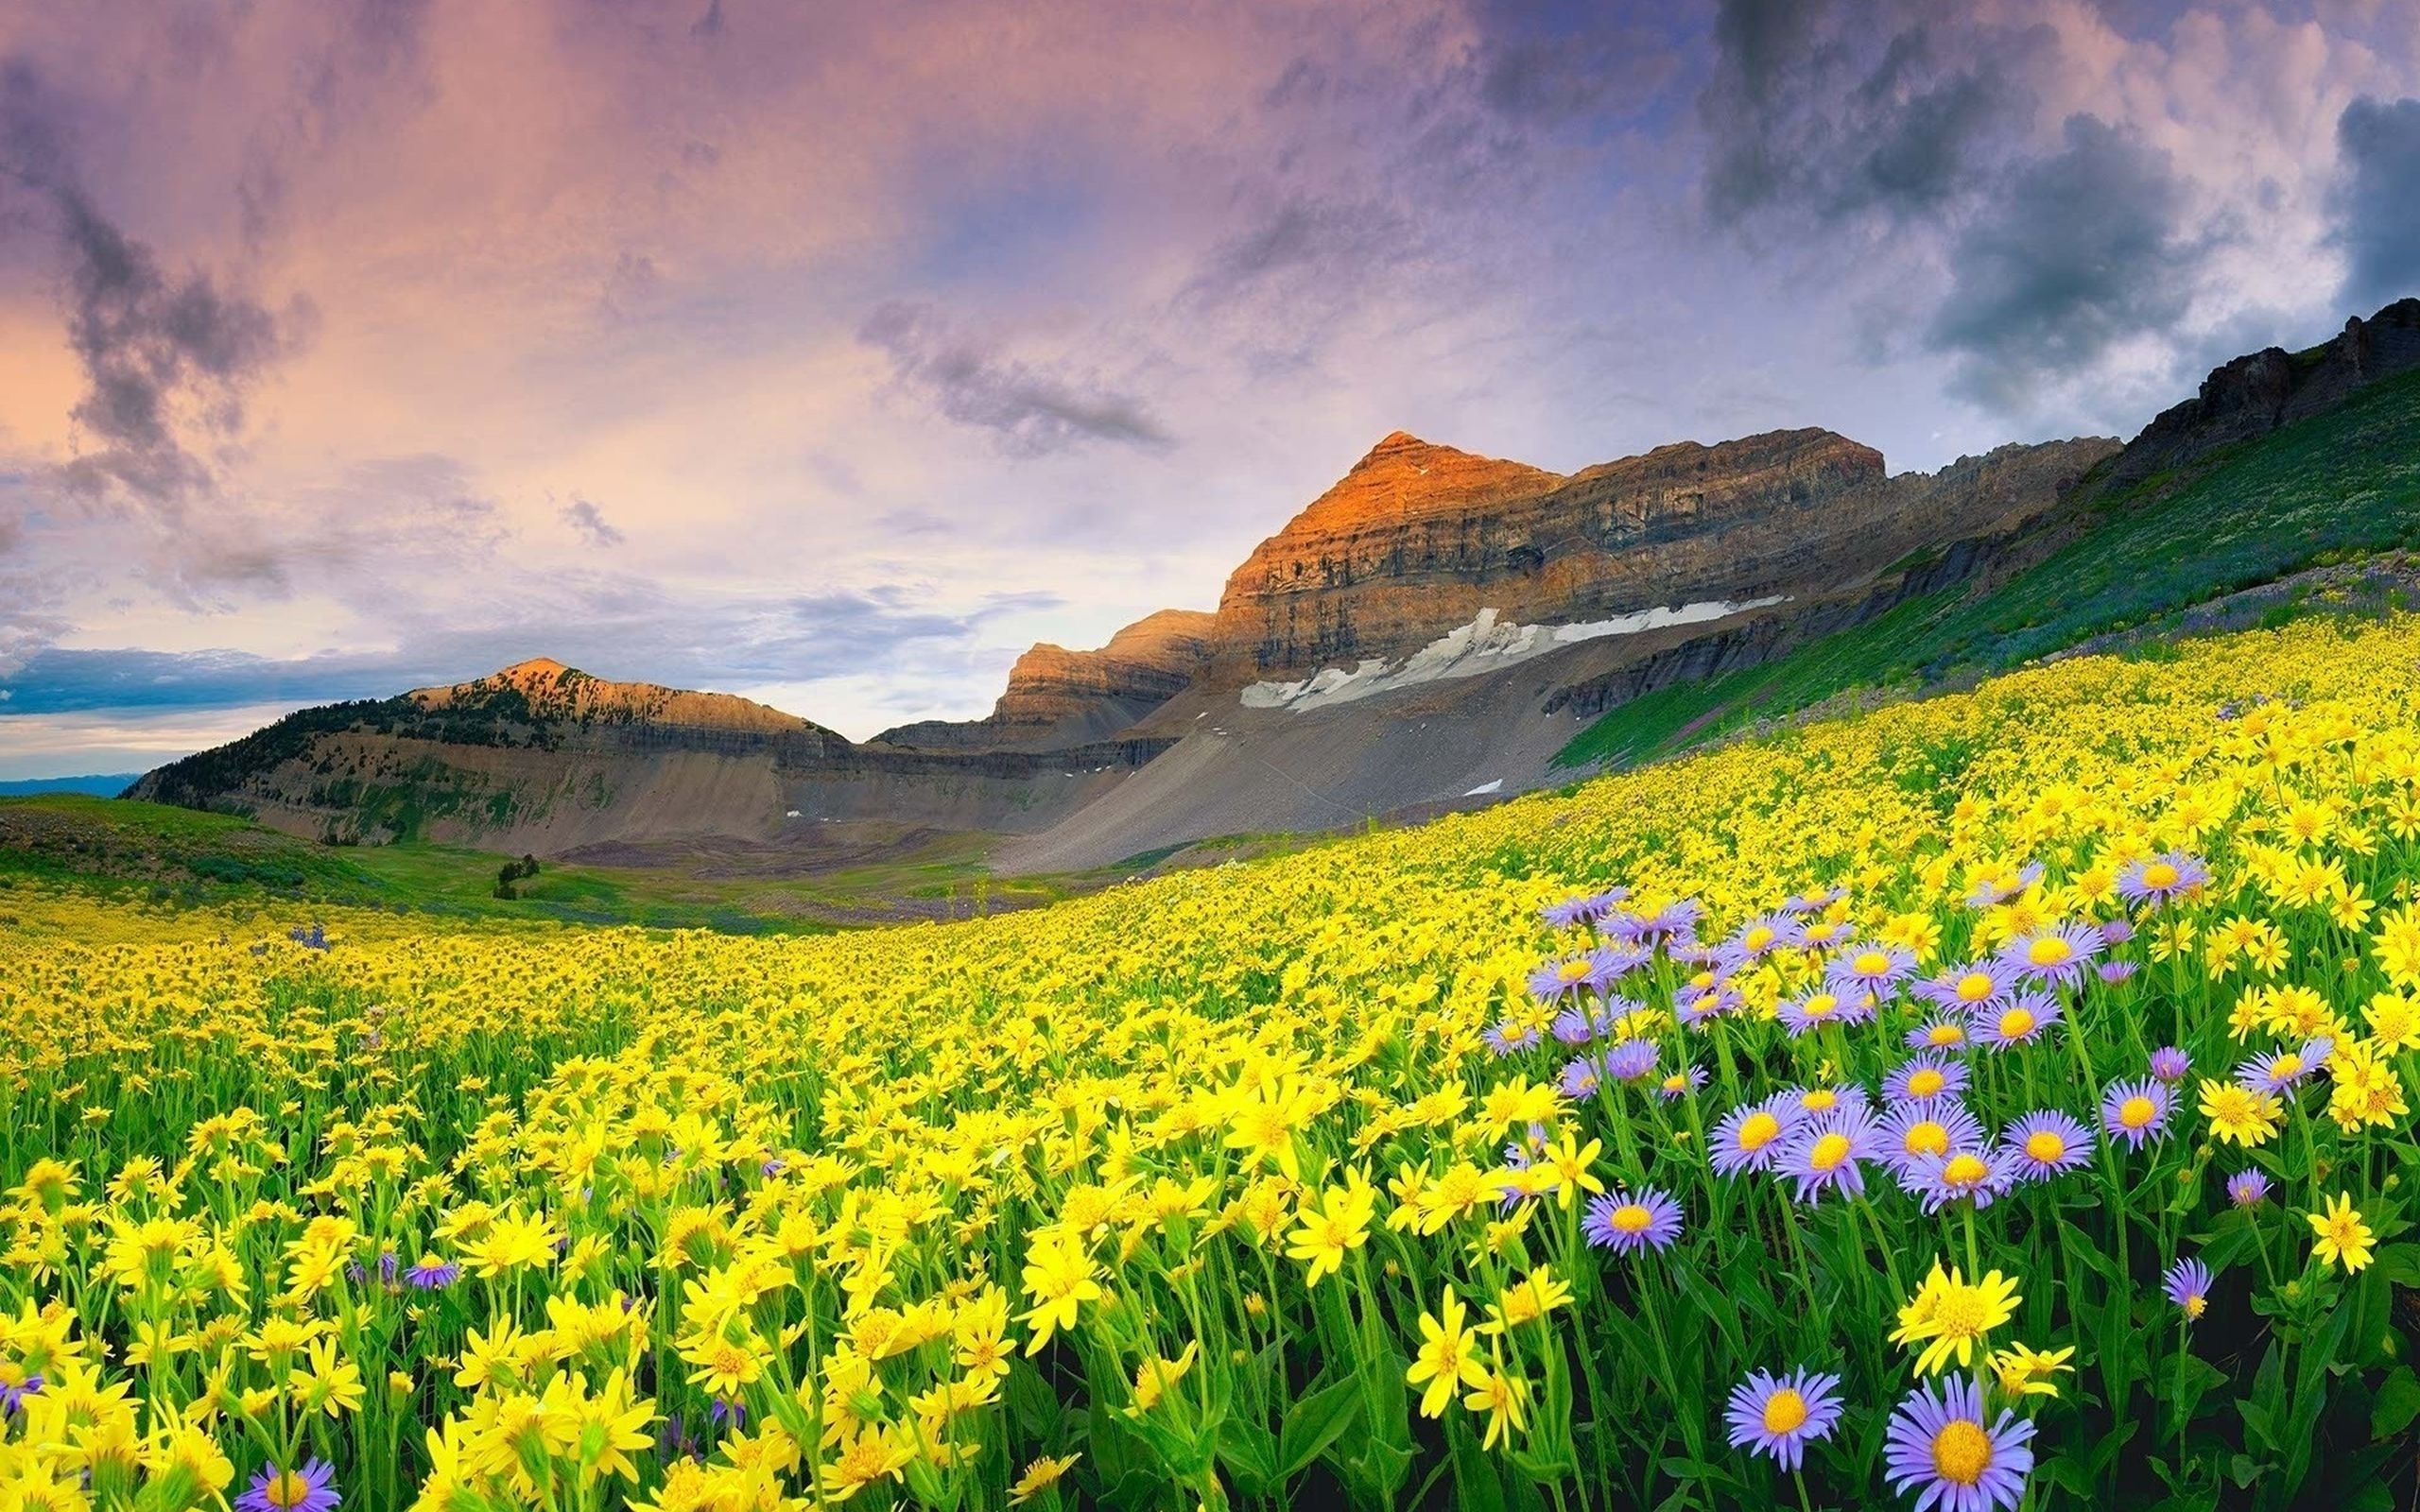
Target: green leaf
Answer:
pixel 1249 1451
pixel 1316 1422
pixel 2397 1403
pixel 2399 1263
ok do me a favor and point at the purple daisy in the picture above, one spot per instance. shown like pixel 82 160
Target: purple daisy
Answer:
pixel 2114 972
pixel 1750 1138
pixel 2137 1111
pixel 1947 1030
pixel 1581 1078
pixel 2287 1068
pixel 1510 1037
pixel 2170 1064
pixel 2018 1022
pixel 1944 1448
pixel 2044 1143
pixel 1819 1007
pixel 1693 1006
pixel 1829 1151
pixel 1764 933
pixel 1582 910
pixel 2057 956
pixel 2249 1187
pixel 1625 1224
pixel 1925 1079
pixel 1680 1083
pixel 1810 902
pixel 2160 879
pixel 432 1274
pixel 2115 931
pixel 1970 989
pixel 13 1397
pixel 308 1489
pixel 1984 894
pixel 1934 1130
pixel 1776 1416
pixel 1979 1176
pixel 2187 1284
pixel 1809 1102
pixel 1630 1060
pixel 1873 968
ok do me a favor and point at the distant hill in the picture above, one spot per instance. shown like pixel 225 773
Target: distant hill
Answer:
pixel 108 785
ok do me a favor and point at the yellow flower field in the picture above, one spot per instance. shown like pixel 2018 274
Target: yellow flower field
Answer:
pixel 2000 1095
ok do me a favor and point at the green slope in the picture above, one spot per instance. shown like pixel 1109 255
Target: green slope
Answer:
pixel 2336 484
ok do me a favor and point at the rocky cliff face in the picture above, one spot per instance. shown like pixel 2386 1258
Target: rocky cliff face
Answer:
pixel 1057 697
pixel 1418 539
pixel 2256 394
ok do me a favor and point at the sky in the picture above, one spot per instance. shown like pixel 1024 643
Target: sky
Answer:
pixel 833 353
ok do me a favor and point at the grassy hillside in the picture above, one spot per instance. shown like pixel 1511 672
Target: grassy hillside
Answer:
pixel 2340 483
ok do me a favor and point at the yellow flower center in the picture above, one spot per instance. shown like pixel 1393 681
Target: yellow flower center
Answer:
pixel 1828 1152
pixel 2046 1146
pixel 1759 1130
pixel 1631 1218
pixel 1964 1170
pixel 1822 1100
pixel 1872 963
pixel 1926 1138
pixel 286 1489
pixel 1944 1035
pixel 1974 987
pixel 2195 1306
pixel 1962 1451
pixel 1820 1004
pixel 2286 1065
pixel 2050 950
pixel 2017 1024
pixel 1927 1083
pixel 1758 937
pixel 2138 1113
pixel 1784 1411
pixel 2159 874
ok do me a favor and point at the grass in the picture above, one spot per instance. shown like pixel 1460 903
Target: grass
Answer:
pixel 2342 483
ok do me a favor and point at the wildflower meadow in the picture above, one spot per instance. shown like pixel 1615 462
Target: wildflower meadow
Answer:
pixel 1997 1101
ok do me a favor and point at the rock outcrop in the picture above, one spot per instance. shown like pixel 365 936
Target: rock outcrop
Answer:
pixel 2256 394
pixel 1058 698
pixel 1418 539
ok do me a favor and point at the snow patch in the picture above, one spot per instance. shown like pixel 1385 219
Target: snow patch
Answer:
pixel 1475 649
pixel 1485 789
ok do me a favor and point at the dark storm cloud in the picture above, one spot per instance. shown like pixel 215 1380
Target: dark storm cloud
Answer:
pixel 2377 204
pixel 590 522
pixel 2082 250
pixel 1832 112
pixel 1032 408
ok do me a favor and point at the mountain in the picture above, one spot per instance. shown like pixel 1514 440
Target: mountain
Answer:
pixel 101 785
pixel 1057 697
pixel 1438 628
pixel 542 757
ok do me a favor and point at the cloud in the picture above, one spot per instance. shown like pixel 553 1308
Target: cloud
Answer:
pixel 2377 203
pixel 1033 407
pixel 2082 250
pixel 590 522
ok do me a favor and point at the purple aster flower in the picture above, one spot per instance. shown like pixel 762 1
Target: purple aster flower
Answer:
pixel 2137 1111
pixel 2057 954
pixel 432 1274
pixel 1750 1138
pixel 1934 1130
pixel 725 1413
pixel 1510 1037
pixel 1577 1026
pixel 1808 1102
pixel 1819 1007
pixel 2018 1022
pixel 2161 879
pixel 2187 1284
pixel 1873 968
pixel 1776 1416
pixel 1984 894
pixel 1943 1447
pixel 1764 933
pixel 1925 1078
pixel 2285 1069
pixel 307 1489
pixel 2114 972
pixel 13 1397
pixel 1946 1030
pixel 1567 976
pixel 2046 1143
pixel 2249 1187
pixel 1979 1176
pixel 1680 1083
pixel 1822 934
pixel 1970 989
pixel 1630 1060
pixel 1693 1006
pixel 2116 931
pixel 1580 1077
pixel 1582 910
pixel 1625 1224
pixel 1829 1151
pixel 1810 902
pixel 2170 1064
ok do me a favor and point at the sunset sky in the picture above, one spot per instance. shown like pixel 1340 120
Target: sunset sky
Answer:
pixel 832 352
